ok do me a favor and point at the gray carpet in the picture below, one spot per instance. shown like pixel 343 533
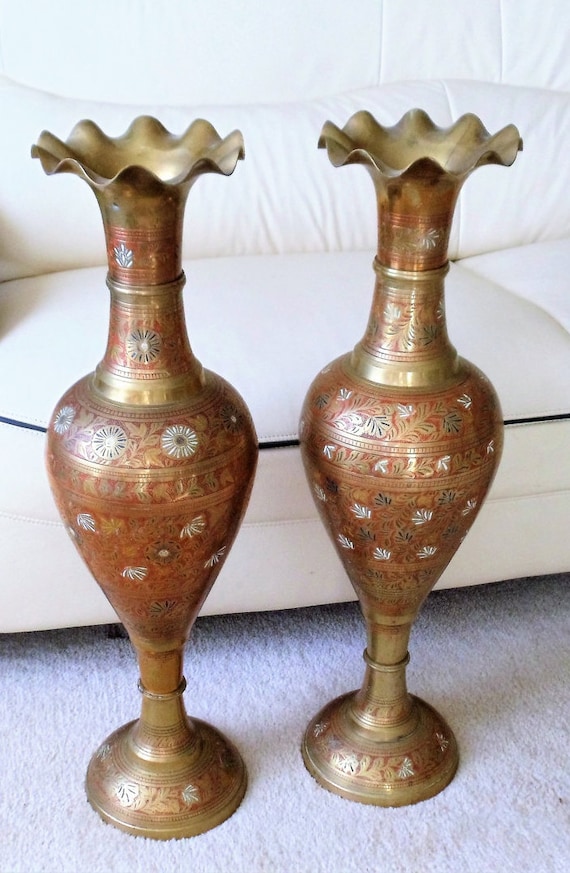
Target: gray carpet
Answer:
pixel 494 659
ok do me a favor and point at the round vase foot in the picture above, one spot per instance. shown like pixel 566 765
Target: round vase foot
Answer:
pixel 354 761
pixel 166 795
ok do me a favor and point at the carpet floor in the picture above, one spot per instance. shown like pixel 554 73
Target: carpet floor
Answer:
pixel 495 660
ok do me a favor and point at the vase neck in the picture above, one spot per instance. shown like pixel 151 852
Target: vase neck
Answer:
pixel 415 213
pixel 143 233
pixel 406 342
pixel 148 360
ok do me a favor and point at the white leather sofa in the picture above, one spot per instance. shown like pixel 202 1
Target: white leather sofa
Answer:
pixel 278 257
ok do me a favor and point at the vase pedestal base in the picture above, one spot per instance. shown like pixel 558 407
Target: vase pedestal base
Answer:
pixel 357 762
pixel 182 784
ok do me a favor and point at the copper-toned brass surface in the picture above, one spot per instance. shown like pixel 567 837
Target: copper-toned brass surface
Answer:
pixel 151 461
pixel 400 440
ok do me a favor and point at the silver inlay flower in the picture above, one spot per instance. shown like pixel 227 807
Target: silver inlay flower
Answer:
pixel 179 441
pixel 143 345
pixel 63 419
pixel 109 442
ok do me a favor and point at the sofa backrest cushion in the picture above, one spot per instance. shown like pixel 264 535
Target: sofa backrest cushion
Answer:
pixel 277 71
pixel 215 52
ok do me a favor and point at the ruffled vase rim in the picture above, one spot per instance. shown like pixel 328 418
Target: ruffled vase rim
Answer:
pixel 199 149
pixel 418 144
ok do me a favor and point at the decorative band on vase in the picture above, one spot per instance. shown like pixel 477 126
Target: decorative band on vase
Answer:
pixel 413 242
pixel 144 256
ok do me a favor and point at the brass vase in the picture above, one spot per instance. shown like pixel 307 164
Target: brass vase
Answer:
pixel 400 440
pixel 151 460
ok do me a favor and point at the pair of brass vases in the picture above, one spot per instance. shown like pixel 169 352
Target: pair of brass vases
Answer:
pixel 152 457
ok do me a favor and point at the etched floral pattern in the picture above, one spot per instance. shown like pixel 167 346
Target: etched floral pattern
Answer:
pixel 379 526
pixel 161 607
pixel 232 419
pixel 163 552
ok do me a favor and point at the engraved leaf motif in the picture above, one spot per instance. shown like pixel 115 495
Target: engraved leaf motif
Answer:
pixel 422 516
pixel 361 511
pixel 382 554
pixel 320 493
pixel 442 740
pixel 383 499
pixel 127 792
pixel 161 492
pixel 352 422
pixel 452 422
pixel 427 552
pixel 406 769
pixel 123 255
pixel 161 607
pixel 86 521
pixel 191 795
pixel 377 425
pixel 112 526
pixel 392 312
pixel 405 410
pixel 194 527
pixel 429 334
pixel 215 558
pixel 348 763
pixel 430 239
pixel 135 573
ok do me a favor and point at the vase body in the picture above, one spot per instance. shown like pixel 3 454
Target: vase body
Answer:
pixel 400 440
pixel 151 460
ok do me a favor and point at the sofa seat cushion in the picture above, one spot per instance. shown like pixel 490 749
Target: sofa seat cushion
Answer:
pixel 269 324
